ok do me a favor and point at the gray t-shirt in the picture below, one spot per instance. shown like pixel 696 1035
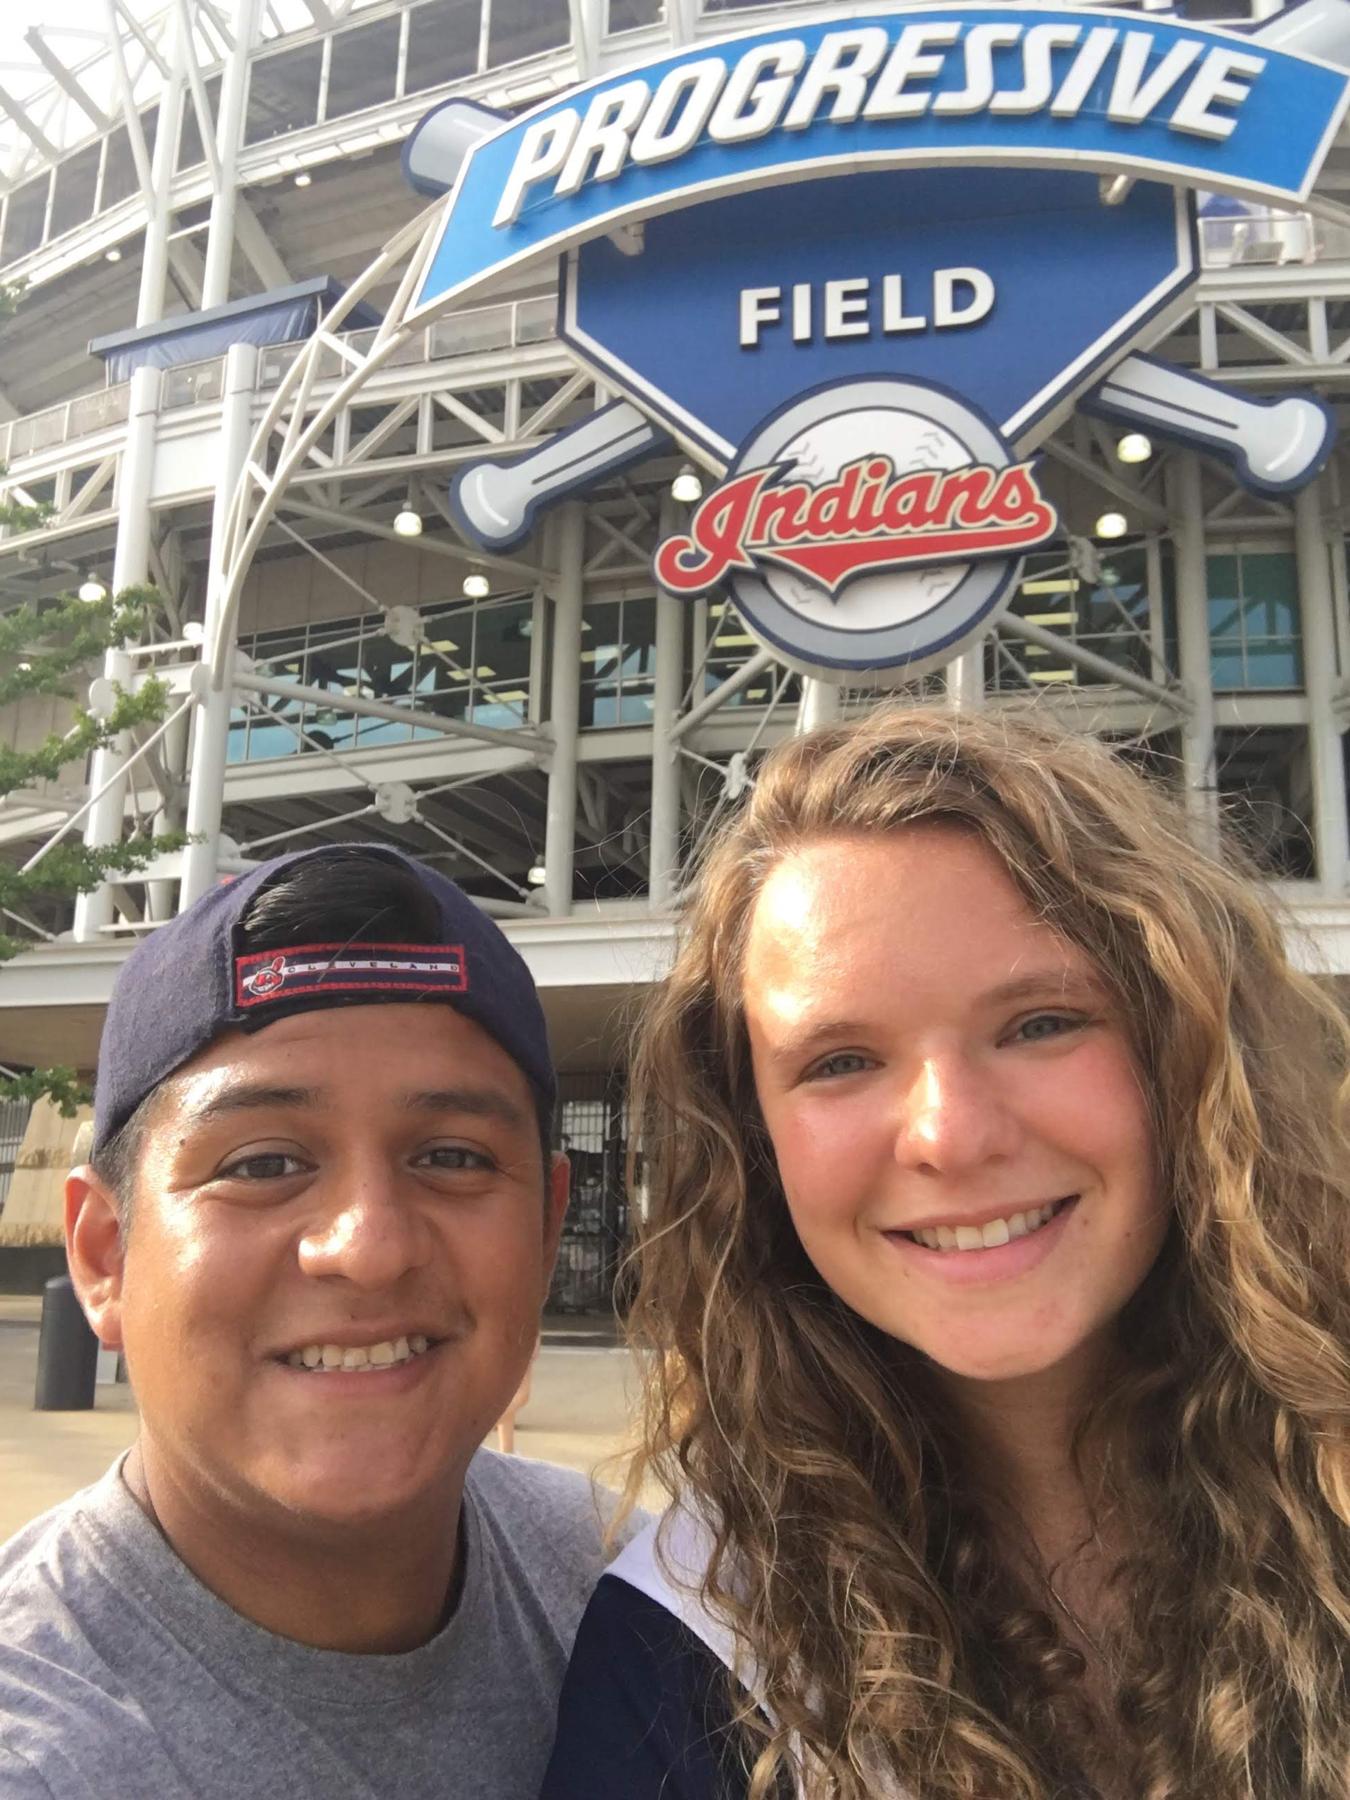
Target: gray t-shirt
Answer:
pixel 120 1674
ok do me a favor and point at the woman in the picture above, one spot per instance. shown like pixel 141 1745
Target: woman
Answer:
pixel 993 1290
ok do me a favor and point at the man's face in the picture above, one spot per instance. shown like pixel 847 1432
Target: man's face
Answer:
pixel 343 1182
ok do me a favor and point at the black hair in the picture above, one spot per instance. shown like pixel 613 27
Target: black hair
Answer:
pixel 352 895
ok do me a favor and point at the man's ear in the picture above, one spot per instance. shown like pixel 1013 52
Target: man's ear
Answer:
pixel 559 1191
pixel 95 1253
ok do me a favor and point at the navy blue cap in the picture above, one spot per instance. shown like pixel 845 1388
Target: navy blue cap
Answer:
pixel 192 979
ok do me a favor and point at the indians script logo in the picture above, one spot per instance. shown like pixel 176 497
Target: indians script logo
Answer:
pixel 867 519
pixel 867 525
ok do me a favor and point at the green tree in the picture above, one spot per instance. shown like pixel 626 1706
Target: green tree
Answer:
pixel 48 648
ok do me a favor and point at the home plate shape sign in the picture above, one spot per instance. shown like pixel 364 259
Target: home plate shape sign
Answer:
pixel 862 267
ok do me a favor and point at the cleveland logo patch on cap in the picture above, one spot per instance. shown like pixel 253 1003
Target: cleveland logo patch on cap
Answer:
pixel 271 975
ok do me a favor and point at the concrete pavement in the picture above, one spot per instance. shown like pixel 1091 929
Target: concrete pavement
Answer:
pixel 576 1415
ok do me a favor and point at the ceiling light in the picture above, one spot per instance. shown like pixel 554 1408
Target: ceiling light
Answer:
pixel 304 178
pixel 113 255
pixel 194 632
pixel 1134 447
pixel 686 486
pixel 1111 525
pixel 476 585
pixel 537 875
pixel 91 589
pixel 24 667
pixel 407 520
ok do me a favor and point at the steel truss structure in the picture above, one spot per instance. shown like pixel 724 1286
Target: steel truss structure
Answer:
pixel 258 491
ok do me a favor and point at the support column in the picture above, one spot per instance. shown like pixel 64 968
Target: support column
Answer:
pixel 820 704
pixel 569 542
pixel 211 735
pixel 155 259
pixel 663 863
pixel 1185 504
pixel 229 134
pixel 964 677
pixel 131 568
pixel 1325 749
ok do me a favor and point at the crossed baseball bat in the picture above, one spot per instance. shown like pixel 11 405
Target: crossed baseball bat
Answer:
pixel 1273 444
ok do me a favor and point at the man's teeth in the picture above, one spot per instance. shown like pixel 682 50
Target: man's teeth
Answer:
pixel 324 1357
pixel 990 1235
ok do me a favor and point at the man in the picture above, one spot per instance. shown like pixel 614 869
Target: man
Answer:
pixel 319 1221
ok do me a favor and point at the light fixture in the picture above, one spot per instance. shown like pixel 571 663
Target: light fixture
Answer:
pixel 112 255
pixel 194 632
pixel 537 875
pixel 1111 525
pixel 24 667
pixel 91 589
pixel 686 486
pixel 303 178
pixel 476 585
pixel 1134 447
pixel 407 520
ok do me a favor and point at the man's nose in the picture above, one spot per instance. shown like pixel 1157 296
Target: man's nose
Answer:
pixel 367 1231
pixel 953 1117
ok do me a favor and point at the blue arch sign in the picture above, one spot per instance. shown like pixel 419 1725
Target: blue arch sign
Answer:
pixel 861 267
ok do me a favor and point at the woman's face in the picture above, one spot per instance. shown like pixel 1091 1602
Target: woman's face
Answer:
pixel 957 1116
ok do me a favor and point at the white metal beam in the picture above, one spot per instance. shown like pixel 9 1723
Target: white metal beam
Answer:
pixel 27 125
pixel 251 236
pixel 64 78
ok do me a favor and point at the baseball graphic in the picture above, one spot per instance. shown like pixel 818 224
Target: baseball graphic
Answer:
pixel 912 442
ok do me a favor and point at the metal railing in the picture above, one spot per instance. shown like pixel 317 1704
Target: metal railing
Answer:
pixel 508 326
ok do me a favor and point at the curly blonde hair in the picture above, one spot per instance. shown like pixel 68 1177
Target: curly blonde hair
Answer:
pixel 886 1632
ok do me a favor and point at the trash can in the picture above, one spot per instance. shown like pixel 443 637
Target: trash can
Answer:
pixel 67 1351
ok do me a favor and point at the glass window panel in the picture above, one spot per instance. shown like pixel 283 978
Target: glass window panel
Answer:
pixel 1225 618
pixel 24 219
pixel 190 151
pixel 1274 663
pixel 76 181
pixel 627 15
pixel 120 180
pixel 442 43
pixel 364 67
pixel 283 93
pixel 521 28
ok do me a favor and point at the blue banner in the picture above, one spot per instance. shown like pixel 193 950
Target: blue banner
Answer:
pixel 1114 92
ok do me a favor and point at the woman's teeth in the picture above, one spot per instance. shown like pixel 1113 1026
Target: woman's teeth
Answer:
pixel 989 1235
pixel 327 1357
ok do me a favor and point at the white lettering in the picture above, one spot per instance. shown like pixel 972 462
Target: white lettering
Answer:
pixel 981 41
pixel 1211 87
pixel 759 306
pixel 1035 92
pixel 893 316
pixel 909 61
pixel 541 153
pixel 945 308
pixel 687 95
pixel 1086 67
pixel 846 308
pixel 603 137
pixel 1134 93
pixel 735 122
pixel 801 312
pixel 840 67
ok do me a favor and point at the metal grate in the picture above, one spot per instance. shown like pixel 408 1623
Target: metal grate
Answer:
pixel 592 1130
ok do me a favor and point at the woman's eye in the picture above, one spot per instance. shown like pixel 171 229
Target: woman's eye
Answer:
pixel 843 1062
pixel 1045 1025
pixel 263 1165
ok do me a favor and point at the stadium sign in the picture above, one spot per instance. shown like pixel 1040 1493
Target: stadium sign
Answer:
pixel 863 266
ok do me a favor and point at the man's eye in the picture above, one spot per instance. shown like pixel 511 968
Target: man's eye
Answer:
pixel 455 1157
pixel 263 1165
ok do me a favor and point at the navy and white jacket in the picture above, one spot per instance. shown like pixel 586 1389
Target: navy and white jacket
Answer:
pixel 646 1709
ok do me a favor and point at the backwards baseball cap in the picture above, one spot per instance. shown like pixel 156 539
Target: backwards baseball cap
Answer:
pixel 195 977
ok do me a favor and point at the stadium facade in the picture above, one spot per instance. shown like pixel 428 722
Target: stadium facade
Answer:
pixel 188 191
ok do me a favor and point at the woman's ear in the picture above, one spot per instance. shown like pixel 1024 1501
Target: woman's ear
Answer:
pixel 95 1252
